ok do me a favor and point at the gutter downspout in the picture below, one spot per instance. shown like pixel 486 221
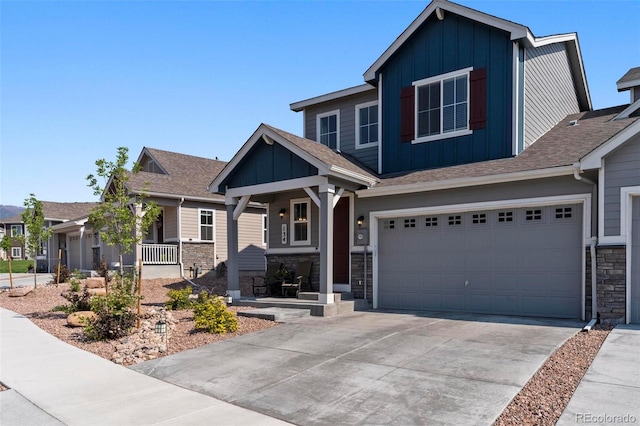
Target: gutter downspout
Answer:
pixel 592 250
pixel 180 236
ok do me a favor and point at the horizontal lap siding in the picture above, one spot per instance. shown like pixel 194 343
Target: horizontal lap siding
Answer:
pixel 347 107
pixel 621 170
pixel 190 220
pixel 250 247
pixel 170 226
pixel 549 90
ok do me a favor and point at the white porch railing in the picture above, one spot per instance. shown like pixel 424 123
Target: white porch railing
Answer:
pixel 159 254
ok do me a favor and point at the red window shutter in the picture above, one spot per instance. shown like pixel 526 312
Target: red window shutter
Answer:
pixel 407 114
pixel 478 99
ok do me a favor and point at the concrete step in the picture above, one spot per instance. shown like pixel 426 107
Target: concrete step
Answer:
pixel 275 314
pixel 310 295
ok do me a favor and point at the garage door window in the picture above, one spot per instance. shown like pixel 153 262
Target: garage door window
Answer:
pixel 564 213
pixel 409 223
pixel 455 220
pixel 389 224
pixel 479 218
pixel 504 217
pixel 431 221
pixel 533 215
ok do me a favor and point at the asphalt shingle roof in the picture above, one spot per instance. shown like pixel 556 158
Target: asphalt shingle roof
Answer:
pixel 631 75
pixel 563 145
pixel 53 210
pixel 188 175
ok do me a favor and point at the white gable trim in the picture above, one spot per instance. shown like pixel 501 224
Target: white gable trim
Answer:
pixel 593 160
pixel 628 111
pixel 517 31
pixel 301 105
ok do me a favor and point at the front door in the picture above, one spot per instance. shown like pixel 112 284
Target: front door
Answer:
pixel 341 242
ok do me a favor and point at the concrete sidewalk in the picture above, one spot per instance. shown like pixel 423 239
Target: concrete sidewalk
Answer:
pixel 54 383
pixel 610 391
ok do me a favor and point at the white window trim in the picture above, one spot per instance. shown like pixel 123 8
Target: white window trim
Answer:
pixel 292 233
pixel 360 145
pixel 265 229
pixel 335 112
pixel 16 250
pixel 19 227
pixel 213 225
pixel 441 78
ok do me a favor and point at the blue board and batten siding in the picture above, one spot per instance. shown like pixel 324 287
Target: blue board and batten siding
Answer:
pixel 440 47
pixel 265 164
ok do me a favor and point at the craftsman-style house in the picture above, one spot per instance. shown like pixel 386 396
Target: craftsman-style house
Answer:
pixel 188 238
pixel 468 173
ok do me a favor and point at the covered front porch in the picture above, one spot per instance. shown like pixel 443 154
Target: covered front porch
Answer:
pixel 302 182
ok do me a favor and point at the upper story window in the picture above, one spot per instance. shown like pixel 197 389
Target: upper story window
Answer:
pixel 367 125
pixel 16 230
pixel 300 222
pixel 265 229
pixel 444 106
pixel 206 225
pixel 329 129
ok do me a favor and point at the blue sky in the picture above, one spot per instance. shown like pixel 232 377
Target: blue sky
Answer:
pixel 80 78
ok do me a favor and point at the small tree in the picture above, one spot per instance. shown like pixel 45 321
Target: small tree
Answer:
pixel 121 217
pixel 6 244
pixel 36 232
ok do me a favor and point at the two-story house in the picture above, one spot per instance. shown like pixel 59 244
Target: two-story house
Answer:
pixel 468 173
pixel 190 233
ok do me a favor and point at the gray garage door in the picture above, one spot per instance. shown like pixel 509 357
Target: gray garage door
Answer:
pixel 635 262
pixel 525 261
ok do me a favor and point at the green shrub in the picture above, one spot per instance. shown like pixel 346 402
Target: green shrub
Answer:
pixel 64 274
pixel 179 299
pixel 213 316
pixel 79 301
pixel 115 316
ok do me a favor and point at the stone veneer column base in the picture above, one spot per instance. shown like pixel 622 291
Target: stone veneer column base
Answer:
pixel 611 283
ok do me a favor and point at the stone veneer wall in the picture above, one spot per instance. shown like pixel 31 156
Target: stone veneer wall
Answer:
pixel 291 260
pixel 587 288
pixel 358 278
pixel 200 254
pixel 611 283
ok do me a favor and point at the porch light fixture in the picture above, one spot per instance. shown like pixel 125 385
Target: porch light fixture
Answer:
pixel 360 220
pixel 282 212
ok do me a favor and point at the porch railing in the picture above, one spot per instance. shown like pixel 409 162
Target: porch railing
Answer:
pixel 159 254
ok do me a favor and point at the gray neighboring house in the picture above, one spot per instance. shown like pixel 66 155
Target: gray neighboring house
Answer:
pixel 55 213
pixel 191 230
pixel 469 173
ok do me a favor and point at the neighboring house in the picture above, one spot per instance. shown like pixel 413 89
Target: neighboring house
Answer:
pixel 54 213
pixel 191 230
pixel 467 174
pixel 3 254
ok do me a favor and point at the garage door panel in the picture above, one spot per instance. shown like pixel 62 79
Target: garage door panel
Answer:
pixel 515 261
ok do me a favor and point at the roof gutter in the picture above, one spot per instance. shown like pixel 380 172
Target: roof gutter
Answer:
pixel 465 182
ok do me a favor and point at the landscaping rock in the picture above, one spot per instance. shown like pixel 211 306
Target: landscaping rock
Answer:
pixel 77 319
pixel 94 283
pixel 97 291
pixel 20 291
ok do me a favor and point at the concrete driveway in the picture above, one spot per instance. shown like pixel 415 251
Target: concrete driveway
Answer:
pixel 372 367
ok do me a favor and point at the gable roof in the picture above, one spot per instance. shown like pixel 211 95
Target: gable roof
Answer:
pixel 517 32
pixel 187 176
pixel 327 161
pixel 56 211
pixel 629 80
pixel 556 153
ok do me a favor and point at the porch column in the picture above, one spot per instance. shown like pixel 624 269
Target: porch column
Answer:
pixel 326 243
pixel 138 247
pixel 233 274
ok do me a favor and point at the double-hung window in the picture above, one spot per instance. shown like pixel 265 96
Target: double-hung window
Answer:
pixel 300 222
pixel 367 125
pixel 329 129
pixel 442 106
pixel 16 230
pixel 16 252
pixel 206 225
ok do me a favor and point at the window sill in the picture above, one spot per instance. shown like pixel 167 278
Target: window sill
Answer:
pixel 442 136
pixel 367 145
